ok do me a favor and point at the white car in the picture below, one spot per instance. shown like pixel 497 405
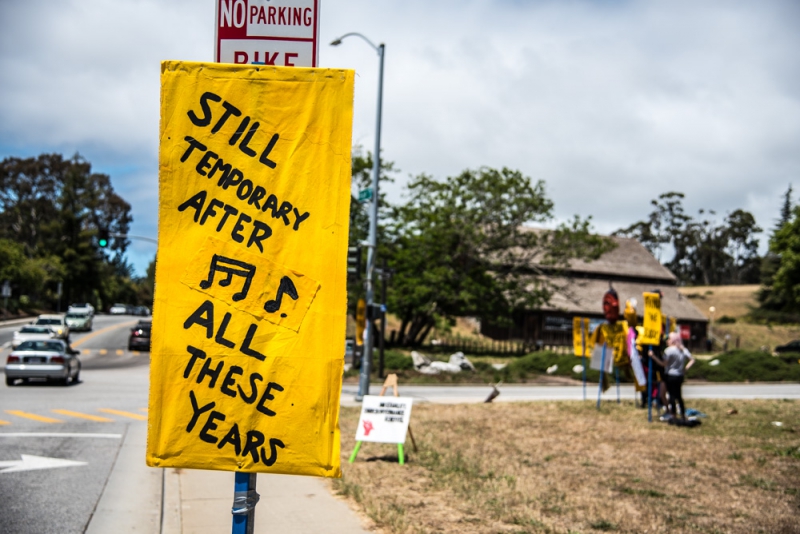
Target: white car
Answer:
pixel 82 308
pixel 56 323
pixel 32 333
pixel 118 309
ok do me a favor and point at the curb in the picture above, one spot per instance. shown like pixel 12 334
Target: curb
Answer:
pixel 171 502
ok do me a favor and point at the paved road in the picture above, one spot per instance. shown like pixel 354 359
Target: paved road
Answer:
pixel 513 392
pixel 86 423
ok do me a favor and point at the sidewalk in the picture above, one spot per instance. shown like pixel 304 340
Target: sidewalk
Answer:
pixel 143 499
pixel 197 501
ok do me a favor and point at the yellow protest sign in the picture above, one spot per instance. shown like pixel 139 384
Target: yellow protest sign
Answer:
pixel 580 336
pixel 250 303
pixel 652 320
pixel 361 320
pixel 615 337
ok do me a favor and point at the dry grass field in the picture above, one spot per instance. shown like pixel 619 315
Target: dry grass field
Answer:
pixel 565 467
pixel 733 301
pixel 736 302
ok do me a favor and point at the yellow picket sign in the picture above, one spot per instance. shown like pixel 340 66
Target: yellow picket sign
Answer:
pixel 615 337
pixel 652 320
pixel 250 304
pixel 580 336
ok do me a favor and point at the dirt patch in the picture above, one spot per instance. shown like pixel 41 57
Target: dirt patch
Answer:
pixel 565 467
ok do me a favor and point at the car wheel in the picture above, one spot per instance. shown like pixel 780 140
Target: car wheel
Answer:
pixel 9 381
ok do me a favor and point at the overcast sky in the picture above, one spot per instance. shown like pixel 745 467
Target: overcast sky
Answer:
pixel 609 102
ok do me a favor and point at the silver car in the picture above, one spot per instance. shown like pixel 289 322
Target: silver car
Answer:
pixel 32 333
pixel 79 321
pixel 43 360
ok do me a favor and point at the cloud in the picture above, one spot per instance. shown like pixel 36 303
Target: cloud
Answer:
pixel 611 103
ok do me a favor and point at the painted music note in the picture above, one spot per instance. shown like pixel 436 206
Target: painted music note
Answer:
pixel 232 268
pixel 286 287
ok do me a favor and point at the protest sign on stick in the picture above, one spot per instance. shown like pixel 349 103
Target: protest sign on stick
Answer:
pixel 250 301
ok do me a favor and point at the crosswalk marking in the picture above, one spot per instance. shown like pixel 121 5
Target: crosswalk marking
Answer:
pixel 132 415
pixel 40 418
pixel 90 417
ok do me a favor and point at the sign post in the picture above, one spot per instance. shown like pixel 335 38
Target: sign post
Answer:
pixel 249 315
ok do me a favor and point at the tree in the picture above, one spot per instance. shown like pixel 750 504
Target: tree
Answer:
pixel 771 261
pixel 704 252
pixel 54 207
pixel 460 247
pixel 783 294
pixel 667 220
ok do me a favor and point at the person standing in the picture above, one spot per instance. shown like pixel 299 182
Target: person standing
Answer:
pixel 677 360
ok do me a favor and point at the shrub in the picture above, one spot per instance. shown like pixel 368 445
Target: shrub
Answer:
pixel 741 365
pixel 726 319
pixel 397 361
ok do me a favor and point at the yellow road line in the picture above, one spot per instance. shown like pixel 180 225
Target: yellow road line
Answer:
pixel 4 422
pixel 103 352
pixel 143 410
pixel 124 414
pixel 103 331
pixel 119 352
pixel 84 416
pixel 86 351
pixel 135 352
pixel 33 416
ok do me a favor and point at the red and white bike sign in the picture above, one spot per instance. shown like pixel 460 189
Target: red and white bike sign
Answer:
pixel 283 33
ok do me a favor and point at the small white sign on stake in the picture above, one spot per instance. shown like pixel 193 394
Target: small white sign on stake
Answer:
pixel 384 419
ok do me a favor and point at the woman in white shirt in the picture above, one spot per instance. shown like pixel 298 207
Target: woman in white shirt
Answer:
pixel 675 365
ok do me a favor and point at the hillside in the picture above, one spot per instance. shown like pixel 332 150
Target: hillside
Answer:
pixel 732 303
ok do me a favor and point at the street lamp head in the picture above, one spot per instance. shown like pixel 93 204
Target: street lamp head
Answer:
pixel 336 42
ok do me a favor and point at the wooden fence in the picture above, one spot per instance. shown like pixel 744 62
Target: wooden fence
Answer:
pixel 479 346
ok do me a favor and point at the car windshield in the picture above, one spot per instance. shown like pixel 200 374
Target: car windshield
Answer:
pixel 50 346
pixel 76 315
pixel 34 330
pixel 48 321
pixel 119 306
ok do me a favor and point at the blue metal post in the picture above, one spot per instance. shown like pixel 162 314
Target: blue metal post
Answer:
pixel 602 369
pixel 584 335
pixel 616 373
pixel 649 385
pixel 584 374
pixel 244 503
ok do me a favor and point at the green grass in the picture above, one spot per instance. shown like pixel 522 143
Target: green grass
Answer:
pixel 742 365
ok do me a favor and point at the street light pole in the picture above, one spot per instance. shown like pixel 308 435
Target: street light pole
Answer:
pixel 372 244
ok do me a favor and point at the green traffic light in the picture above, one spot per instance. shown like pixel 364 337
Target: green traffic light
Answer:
pixel 103 243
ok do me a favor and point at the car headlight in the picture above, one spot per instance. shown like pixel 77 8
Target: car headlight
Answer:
pixel 60 331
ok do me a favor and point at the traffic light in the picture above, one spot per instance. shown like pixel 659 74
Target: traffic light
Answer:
pixel 102 237
pixel 354 263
